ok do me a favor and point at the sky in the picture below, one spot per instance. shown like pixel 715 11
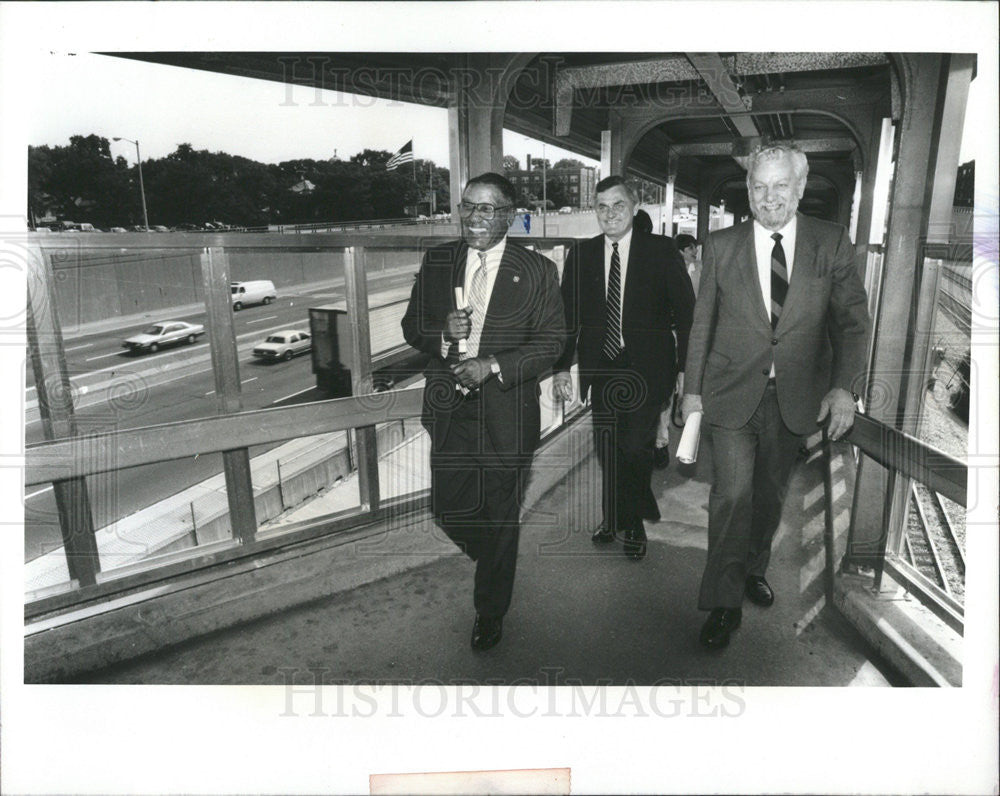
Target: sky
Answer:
pixel 258 119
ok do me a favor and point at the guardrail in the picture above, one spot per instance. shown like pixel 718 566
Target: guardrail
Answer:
pixel 906 457
pixel 67 457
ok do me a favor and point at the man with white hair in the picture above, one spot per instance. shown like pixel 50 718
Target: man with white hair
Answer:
pixel 777 345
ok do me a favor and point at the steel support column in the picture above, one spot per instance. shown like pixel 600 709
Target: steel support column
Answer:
pixel 55 408
pixel 890 380
pixel 356 293
pixel 226 369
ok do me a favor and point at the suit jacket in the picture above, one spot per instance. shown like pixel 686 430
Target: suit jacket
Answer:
pixel 657 298
pixel 820 340
pixel 523 329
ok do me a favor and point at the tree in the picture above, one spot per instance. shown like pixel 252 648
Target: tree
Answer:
pixel 81 182
pixel 511 163
pixel 556 191
pixel 536 164
pixel 569 163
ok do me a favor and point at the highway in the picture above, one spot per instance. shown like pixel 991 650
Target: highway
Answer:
pixel 116 390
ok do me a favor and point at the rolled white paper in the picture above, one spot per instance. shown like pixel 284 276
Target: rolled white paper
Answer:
pixel 687 448
pixel 463 346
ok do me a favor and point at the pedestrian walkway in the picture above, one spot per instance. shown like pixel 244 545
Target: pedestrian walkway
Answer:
pixel 580 614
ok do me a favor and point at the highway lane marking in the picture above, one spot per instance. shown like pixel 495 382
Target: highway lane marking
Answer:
pixel 78 347
pixel 104 356
pixel 261 320
pixel 39 492
pixel 307 389
pixel 245 381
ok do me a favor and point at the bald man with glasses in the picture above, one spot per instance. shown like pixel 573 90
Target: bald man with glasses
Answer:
pixel 487 311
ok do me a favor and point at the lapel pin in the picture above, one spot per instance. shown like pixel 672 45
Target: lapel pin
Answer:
pixel 517 279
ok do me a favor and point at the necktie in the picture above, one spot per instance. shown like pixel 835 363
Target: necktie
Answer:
pixel 477 302
pixel 613 328
pixel 779 279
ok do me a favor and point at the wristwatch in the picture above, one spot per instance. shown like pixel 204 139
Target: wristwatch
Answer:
pixel 494 367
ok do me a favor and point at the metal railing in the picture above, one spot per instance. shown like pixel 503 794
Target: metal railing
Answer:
pixel 68 457
pixel 904 457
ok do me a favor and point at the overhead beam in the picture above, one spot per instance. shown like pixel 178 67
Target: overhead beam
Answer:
pixel 726 148
pixel 716 76
pixel 674 69
pixel 753 63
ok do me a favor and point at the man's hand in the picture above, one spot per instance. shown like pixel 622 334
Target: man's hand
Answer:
pixel 839 405
pixel 689 405
pixel 472 372
pixel 458 324
pixel 562 385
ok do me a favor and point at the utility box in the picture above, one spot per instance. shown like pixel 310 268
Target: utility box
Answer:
pixel 331 349
pixel 332 342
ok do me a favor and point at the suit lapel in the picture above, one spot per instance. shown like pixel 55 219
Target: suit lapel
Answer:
pixel 746 259
pixel 505 288
pixel 458 267
pixel 633 274
pixel 803 267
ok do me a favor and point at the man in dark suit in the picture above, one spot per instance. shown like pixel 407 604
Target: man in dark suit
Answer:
pixel 487 351
pixel 778 343
pixel 623 291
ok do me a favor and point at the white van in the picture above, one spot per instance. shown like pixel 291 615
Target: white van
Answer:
pixel 257 291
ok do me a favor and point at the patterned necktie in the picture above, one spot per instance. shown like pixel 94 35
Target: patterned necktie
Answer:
pixel 477 302
pixel 613 329
pixel 779 279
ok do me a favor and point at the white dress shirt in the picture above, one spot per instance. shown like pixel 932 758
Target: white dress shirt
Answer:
pixel 763 246
pixel 493 258
pixel 623 248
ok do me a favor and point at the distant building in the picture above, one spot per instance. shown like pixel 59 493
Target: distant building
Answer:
pixel 577 183
pixel 965 185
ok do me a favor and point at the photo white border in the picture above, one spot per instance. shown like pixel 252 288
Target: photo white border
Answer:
pixel 157 739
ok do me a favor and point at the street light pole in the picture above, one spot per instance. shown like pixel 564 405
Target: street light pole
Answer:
pixel 545 197
pixel 142 188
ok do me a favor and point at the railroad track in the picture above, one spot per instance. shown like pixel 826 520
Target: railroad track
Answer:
pixel 931 544
pixel 955 297
pixel 957 310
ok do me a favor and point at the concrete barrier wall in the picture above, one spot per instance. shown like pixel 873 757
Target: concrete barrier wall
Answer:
pixel 96 286
pixel 286 268
pixel 297 484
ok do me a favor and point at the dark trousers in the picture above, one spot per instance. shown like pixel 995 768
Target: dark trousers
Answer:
pixel 476 499
pixel 625 422
pixel 752 466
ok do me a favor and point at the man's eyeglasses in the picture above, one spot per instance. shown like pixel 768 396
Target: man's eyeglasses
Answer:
pixel 617 208
pixel 485 210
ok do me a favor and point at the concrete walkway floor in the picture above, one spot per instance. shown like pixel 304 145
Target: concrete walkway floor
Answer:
pixel 579 615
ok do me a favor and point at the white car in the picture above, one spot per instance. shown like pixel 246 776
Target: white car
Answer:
pixel 565 209
pixel 163 334
pixel 283 345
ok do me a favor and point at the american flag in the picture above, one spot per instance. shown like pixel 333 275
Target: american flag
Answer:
pixel 404 155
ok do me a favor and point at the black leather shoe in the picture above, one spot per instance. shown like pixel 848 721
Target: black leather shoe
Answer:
pixel 635 544
pixel 661 457
pixel 721 622
pixel 758 592
pixel 603 536
pixel 486 632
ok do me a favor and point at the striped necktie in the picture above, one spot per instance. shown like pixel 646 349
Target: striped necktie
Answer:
pixel 779 279
pixel 477 301
pixel 613 328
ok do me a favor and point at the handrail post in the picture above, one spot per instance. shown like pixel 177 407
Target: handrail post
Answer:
pixel 226 368
pixel 828 529
pixel 356 293
pixel 55 408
